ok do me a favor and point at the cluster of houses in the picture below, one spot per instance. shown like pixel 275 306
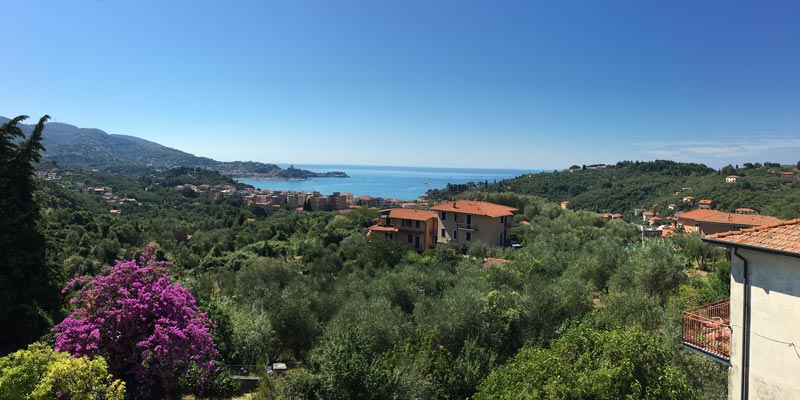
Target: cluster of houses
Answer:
pixel 108 196
pixel 784 176
pixel 51 175
pixel 273 200
pixel 703 220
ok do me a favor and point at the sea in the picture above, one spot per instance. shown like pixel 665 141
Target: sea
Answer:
pixel 403 183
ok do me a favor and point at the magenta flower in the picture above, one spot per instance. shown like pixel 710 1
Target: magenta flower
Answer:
pixel 148 329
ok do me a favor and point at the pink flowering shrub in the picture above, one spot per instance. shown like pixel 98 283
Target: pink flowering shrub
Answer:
pixel 148 329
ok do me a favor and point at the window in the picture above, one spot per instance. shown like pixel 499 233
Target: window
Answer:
pixel 444 232
pixel 502 220
pixel 444 216
pixel 409 238
pixel 390 235
pixel 406 222
pixel 418 224
pixel 416 242
pixel 455 234
pixel 469 236
pixel 469 219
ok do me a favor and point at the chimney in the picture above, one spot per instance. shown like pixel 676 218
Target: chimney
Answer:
pixel 454 204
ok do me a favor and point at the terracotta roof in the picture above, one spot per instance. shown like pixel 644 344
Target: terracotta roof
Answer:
pixel 734 176
pixel 688 197
pixel 648 213
pixel 728 218
pixel 381 228
pixel 475 208
pixel 413 214
pixel 696 214
pixel 742 219
pixel 706 201
pixel 743 209
pixel 787 173
pixel 493 261
pixel 783 236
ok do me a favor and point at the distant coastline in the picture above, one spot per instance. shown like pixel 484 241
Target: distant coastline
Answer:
pixel 403 183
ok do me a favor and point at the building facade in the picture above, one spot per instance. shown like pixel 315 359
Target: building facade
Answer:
pixel 764 313
pixel 414 228
pixel 468 222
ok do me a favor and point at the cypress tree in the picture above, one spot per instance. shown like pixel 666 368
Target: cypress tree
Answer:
pixel 28 292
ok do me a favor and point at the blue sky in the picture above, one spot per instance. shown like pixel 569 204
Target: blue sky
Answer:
pixel 505 84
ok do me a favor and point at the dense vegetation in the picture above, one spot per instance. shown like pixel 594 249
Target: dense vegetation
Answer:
pixel 585 300
pixel 28 285
pixel 626 186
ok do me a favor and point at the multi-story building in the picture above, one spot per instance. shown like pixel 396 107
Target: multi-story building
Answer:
pixel 415 228
pixel 468 222
pixel 788 176
pixel 756 333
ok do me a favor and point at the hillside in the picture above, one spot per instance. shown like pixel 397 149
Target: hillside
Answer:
pixel 626 186
pixel 93 148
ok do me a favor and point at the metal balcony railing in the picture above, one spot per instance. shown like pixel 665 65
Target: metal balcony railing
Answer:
pixel 467 227
pixel 707 329
pixel 411 228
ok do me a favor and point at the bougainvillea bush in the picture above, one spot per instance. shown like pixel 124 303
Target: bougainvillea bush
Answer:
pixel 148 328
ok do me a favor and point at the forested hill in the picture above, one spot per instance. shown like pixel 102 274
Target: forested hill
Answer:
pixel 93 148
pixel 629 185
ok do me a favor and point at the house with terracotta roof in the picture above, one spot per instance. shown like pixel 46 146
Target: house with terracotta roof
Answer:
pixel 756 332
pixel 610 216
pixel 468 222
pixel 709 222
pixel 688 199
pixel 732 178
pixel 705 204
pixel 788 176
pixel 746 211
pixel 565 204
pixel 415 228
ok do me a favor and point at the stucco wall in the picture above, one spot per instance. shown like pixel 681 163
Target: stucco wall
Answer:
pixel 488 229
pixel 774 323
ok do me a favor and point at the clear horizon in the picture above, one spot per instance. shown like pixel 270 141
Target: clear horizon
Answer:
pixel 510 85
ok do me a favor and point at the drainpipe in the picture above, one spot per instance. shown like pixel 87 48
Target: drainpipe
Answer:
pixel 745 328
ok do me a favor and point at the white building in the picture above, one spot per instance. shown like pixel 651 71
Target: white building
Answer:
pixel 758 334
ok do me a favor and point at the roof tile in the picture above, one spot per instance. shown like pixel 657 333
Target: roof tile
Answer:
pixel 475 208
pixel 779 236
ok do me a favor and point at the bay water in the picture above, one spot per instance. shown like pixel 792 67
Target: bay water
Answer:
pixel 403 183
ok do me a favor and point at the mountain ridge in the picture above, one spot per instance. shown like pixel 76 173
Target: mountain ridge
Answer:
pixel 94 148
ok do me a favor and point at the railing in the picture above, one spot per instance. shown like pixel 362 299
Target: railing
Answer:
pixel 707 329
pixel 411 228
pixel 468 227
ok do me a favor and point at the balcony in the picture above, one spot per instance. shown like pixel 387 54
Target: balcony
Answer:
pixel 467 227
pixel 707 329
pixel 411 228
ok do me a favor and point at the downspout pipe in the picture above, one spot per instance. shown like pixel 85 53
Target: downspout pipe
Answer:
pixel 746 326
